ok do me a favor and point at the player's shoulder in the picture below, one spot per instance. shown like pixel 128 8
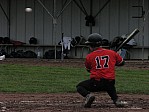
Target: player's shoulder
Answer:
pixel 90 54
pixel 110 52
pixel 101 50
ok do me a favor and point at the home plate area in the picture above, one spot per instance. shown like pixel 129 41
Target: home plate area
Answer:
pixel 70 102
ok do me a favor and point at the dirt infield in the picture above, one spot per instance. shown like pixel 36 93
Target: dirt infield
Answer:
pixel 70 102
pixel 71 62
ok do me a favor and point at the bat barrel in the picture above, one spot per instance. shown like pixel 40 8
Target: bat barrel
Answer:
pixel 129 37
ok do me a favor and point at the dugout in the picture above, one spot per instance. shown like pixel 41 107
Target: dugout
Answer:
pixel 50 18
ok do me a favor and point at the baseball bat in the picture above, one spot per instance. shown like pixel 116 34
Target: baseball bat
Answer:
pixel 128 38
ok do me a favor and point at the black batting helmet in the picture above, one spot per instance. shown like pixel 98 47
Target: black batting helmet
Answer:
pixel 94 40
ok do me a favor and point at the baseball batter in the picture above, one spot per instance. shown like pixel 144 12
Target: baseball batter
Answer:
pixel 101 65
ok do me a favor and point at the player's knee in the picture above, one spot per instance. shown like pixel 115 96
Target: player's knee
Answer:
pixel 82 91
pixel 78 87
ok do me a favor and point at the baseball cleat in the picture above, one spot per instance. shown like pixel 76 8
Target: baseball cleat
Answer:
pixel 89 100
pixel 119 103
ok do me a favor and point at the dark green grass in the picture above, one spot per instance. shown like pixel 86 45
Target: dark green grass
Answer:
pixel 132 81
pixel 41 79
pixel 20 78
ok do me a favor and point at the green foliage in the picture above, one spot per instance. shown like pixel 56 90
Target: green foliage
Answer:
pixel 44 79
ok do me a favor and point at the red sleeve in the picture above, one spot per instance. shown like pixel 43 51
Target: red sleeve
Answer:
pixel 119 59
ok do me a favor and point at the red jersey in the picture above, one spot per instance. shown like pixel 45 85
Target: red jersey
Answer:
pixel 101 63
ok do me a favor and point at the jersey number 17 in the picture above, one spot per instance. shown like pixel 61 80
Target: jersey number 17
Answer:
pixel 98 60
